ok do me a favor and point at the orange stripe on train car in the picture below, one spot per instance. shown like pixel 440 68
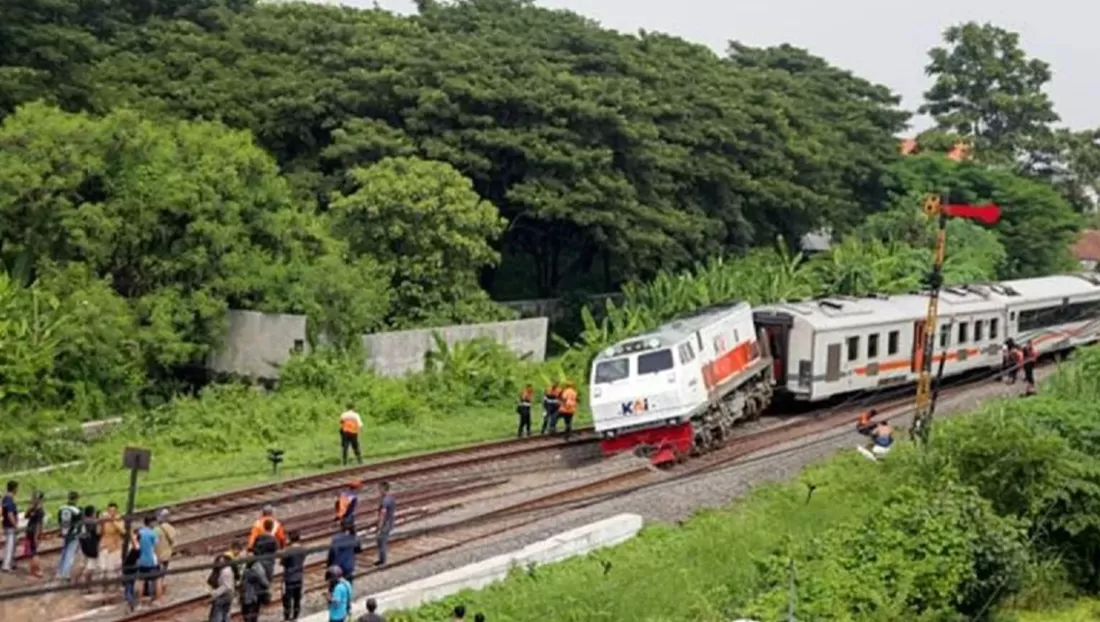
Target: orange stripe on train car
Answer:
pixel 907 364
pixel 728 365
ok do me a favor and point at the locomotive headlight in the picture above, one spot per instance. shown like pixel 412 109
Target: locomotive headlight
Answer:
pixel 610 352
pixel 653 343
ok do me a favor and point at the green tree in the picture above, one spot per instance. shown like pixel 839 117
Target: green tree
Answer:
pixel 184 218
pixel 988 90
pixel 424 221
pixel 1037 225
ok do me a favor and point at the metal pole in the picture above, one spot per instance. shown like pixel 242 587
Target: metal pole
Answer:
pixel 130 500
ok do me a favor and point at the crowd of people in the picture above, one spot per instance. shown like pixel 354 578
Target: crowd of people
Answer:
pixel 559 403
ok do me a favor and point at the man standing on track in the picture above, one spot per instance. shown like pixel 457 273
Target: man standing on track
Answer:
pixel 347 503
pixel 11 523
pixel 350 425
pixel 568 407
pixel 387 512
pixel 523 409
pixel 111 532
pixel 550 409
pixel 69 522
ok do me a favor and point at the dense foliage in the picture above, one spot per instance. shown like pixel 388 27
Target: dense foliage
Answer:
pixel 161 163
pixel 1000 510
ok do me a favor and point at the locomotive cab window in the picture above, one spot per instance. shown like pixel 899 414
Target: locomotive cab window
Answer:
pixel 978 326
pixel 687 355
pixel 963 337
pixel 655 362
pixel 610 371
pixel 892 343
pixel 872 346
pixel 853 348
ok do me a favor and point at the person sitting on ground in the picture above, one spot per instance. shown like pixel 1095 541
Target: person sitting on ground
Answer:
pixel 866 423
pixel 371 615
pixel 882 438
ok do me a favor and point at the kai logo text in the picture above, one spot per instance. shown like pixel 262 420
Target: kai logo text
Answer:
pixel 635 407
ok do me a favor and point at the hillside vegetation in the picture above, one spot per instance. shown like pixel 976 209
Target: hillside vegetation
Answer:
pixel 998 514
pixel 163 163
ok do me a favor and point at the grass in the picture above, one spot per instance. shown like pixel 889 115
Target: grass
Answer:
pixel 178 472
pixel 1082 610
pixel 670 573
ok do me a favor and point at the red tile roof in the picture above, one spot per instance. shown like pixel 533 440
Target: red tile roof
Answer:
pixel 1087 246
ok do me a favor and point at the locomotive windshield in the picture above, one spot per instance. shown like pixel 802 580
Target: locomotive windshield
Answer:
pixel 610 371
pixel 654 362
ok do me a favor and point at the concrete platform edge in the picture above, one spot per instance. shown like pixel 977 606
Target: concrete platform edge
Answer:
pixel 572 543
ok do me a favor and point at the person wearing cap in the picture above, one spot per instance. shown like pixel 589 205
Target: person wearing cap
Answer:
pixel 268 513
pixel 166 541
pixel 339 596
pixel 69 519
pixel 347 503
pixel 372 614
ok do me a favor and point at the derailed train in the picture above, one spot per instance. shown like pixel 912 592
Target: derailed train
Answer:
pixel 681 388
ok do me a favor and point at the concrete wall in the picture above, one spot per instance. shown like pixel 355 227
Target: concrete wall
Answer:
pixel 401 352
pixel 607 532
pixel 256 344
pixel 554 308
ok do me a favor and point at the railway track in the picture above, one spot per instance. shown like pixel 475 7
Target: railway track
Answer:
pixel 250 499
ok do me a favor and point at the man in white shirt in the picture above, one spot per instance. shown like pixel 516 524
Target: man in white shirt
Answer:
pixel 350 425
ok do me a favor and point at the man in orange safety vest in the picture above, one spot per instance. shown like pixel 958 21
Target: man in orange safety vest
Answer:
pixel 267 514
pixel 350 424
pixel 347 503
pixel 568 407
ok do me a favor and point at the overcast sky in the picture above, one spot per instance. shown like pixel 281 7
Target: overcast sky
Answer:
pixel 882 40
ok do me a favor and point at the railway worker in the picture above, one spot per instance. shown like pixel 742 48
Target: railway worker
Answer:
pixel 347 503
pixel 550 408
pixel 1030 357
pixel 523 409
pixel 882 438
pixel 866 424
pixel 568 407
pixel 11 523
pixel 387 515
pixel 339 595
pixel 342 551
pixel 294 564
pixel 267 546
pixel 258 528
pixel 350 425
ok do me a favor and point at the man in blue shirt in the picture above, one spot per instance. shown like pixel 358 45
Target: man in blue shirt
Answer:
pixel 11 522
pixel 147 556
pixel 339 598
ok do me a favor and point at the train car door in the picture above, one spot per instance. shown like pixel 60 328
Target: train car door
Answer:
pixel 832 363
pixel 919 337
pixel 776 329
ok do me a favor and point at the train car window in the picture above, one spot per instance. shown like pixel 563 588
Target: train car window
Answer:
pixel 654 362
pixel 892 342
pixel 853 348
pixel 872 346
pixel 1053 316
pixel 687 355
pixel 978 326
pixel 993 329
pixel 963 326
pixel 610 371
pixel 945 335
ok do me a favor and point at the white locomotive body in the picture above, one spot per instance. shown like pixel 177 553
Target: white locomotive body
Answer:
pixel 682 386
pixel 837 345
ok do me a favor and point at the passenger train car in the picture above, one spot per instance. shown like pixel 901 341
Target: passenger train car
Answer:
pixel 682 387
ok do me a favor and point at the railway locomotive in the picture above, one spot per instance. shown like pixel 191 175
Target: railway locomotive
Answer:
pixel 680 389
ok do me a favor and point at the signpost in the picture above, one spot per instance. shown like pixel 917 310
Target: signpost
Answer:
pixel 135 459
